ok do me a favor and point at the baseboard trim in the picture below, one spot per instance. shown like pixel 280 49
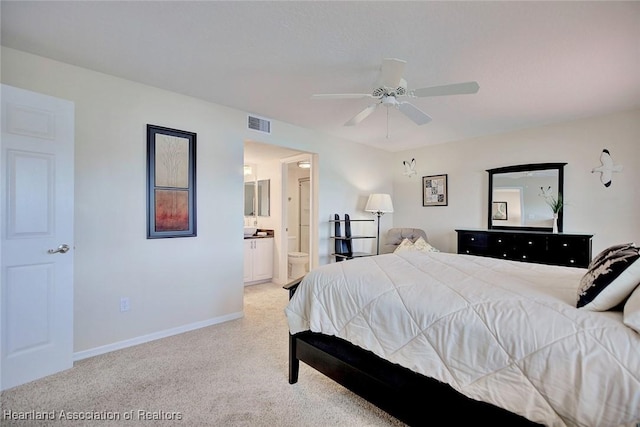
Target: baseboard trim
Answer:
pixel 84 354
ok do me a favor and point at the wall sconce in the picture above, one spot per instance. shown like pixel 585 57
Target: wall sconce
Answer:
pixel 304 164
pixel 247 170
pixel 379 204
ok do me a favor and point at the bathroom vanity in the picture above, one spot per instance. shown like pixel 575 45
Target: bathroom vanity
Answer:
pixel 258 258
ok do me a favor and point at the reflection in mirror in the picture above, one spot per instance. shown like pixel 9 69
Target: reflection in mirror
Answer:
pixel 249 198
pixel 263 197
pixel 519 196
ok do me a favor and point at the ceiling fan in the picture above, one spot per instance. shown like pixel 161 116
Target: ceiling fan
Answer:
pixel 390 86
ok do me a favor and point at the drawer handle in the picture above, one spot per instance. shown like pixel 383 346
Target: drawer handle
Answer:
pixel 504 255
pixel 473 238
pixel 467 250
pixel 565 244
pixel 531 243
pixel 524 256
pixel 572 261
pixel 499 240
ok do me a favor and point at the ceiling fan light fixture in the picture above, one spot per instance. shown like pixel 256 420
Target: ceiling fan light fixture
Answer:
pixel 389 101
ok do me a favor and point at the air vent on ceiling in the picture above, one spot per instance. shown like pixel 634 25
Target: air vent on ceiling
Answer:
pixel 261 125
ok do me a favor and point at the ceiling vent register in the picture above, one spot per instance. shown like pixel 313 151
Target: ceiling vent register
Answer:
pixel 261 125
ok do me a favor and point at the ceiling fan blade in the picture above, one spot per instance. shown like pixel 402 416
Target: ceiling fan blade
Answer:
pixel 452 89
pixel 411 111
pixel 391 72
pixel 341 96
pixel 361 115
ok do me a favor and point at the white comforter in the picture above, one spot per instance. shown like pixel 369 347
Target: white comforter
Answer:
pixel 503 332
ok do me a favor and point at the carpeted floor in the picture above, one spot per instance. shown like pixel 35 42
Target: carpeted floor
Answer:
pixel 232 374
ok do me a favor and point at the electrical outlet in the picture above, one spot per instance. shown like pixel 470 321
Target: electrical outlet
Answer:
pixel 124 304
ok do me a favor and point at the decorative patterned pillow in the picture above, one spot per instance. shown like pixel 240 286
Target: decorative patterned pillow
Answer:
pixel 610 250
pixel 631 313
pixel 404 246
pixel 611 277
pixel 420 245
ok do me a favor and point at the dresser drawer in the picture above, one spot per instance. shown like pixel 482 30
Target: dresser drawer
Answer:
pixel 500 246
pixel 471 243
pixel 530 248
pixel 570 250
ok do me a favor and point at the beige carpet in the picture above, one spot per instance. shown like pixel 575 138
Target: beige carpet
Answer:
pixel 232 374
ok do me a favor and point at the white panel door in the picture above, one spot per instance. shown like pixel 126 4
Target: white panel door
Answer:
pixel 36 292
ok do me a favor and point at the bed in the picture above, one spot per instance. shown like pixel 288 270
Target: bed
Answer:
pixel 497 341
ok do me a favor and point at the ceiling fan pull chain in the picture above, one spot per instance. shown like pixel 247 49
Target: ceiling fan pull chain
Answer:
pixel 387 123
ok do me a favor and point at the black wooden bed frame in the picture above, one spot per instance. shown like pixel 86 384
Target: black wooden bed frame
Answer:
pixel 412 398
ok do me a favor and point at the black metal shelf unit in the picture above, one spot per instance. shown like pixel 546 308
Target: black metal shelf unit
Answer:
pixel 343 242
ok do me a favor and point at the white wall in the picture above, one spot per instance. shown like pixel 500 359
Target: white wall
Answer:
pixel 611 214
pixel 171 283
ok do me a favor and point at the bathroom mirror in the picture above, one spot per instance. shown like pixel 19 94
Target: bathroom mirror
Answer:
pixel 249 198
pixel 518 196
pixel 263 197
pixel 257 198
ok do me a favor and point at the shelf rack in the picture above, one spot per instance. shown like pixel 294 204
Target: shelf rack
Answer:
pixel 343 242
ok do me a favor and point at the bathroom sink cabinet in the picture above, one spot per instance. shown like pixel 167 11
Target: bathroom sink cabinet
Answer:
pixel 258 260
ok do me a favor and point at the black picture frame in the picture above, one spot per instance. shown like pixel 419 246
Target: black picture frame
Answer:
pixel 171 183
pixel 499 211
pixel 435 190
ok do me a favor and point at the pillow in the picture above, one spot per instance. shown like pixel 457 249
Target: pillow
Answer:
pixel 404 246
pixel 609 251
pixel 611 277
pixel 631 314
pixel 420 245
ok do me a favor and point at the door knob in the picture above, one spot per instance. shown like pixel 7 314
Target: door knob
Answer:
pixel 63 249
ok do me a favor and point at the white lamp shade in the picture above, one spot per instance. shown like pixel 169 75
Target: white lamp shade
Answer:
pixel 379 203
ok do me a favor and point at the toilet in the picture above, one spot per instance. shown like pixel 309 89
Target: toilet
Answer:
pixel 297 260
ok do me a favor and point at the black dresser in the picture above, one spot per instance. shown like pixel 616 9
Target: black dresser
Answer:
pixel 542 247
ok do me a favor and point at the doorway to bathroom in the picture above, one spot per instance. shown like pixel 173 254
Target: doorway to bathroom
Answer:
pixel 299 215
pixel 284 168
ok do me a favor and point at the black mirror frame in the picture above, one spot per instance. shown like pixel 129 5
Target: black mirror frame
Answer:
pixel 526 168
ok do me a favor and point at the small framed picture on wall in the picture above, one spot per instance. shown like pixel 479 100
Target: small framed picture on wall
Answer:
pixel 435 190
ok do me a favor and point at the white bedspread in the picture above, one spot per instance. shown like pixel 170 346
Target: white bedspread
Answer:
pixel 503 332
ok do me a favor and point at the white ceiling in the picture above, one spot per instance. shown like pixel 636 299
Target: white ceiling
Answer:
pixel 536 62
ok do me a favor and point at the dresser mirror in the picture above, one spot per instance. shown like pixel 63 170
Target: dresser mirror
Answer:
pixel 519 196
